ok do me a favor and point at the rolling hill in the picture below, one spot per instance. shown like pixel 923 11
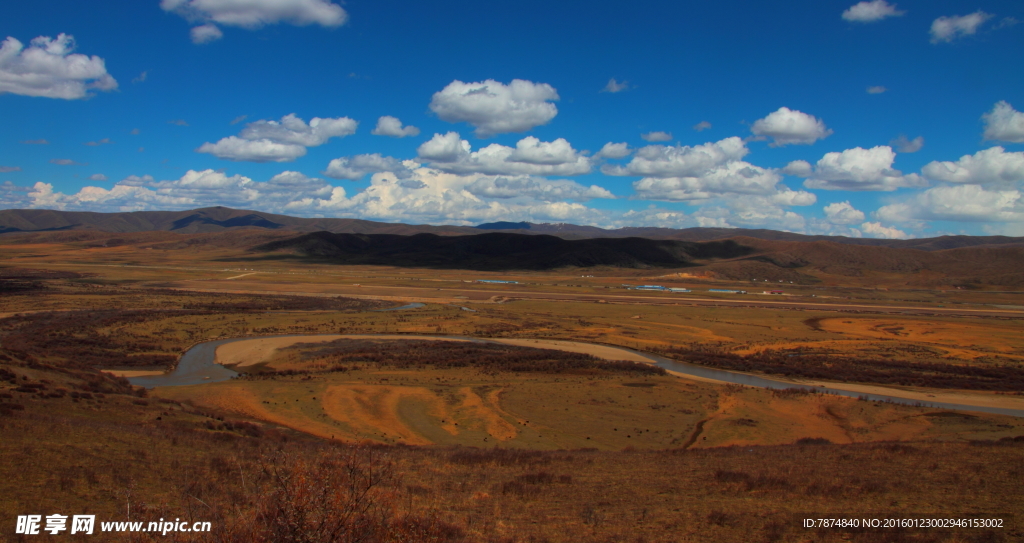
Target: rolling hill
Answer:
pixel 220 219
pixel 739 259
pixel 502 251
pixel 196 221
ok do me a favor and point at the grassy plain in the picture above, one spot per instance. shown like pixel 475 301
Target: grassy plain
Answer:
pixel 485 455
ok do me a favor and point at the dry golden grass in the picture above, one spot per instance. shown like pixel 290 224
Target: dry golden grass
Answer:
pixel 101 456
pixel 505 457
pixel 962 340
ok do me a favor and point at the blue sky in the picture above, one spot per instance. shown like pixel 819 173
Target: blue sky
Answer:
pixel 873 119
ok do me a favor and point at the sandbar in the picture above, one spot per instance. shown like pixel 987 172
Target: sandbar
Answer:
pixel 254 351
pixel 133 373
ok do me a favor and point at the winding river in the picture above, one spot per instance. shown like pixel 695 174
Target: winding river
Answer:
pixel 197 366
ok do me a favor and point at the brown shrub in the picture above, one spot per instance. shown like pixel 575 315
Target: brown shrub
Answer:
pixel 339 496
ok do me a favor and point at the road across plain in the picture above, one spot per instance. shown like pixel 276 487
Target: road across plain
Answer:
pixel 421 294
pixel 418 294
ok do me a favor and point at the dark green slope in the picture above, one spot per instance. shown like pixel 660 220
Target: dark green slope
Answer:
pixel 501 251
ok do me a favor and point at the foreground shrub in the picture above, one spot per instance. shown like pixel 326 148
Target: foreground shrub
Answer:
pixel 339 496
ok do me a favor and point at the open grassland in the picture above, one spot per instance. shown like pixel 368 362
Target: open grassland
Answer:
pixel 145 459
pixel 443 451
pixel 920 352
pixel 165 256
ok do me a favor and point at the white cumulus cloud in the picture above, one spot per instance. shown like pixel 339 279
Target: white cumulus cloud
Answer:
pixel 656 217
pixel 702 126
pixel 752 211
pixel 990 167
pixel 440 197
pixel 875 229
pixel 97 177
pixel 947 29
pixel 252 14
pixel 971 203
pixel 1004 123
pixel 205 33
pixel 682 160
pixel 657 136
pixel 447 148
pixel 292 129
pixel 905 145
pixel 614 150
pixel 737 177
pixel 536 188
pixel 703 172
pixel 356 167
pixel 193 189
pixel 495 108
pixel 788 197
pixel 279 141
pixel 861 169
pixel 871 11
pixel 614 86
pixel 799 168
pixel 426 195
pixel 531 156
pixel 843 213
pixel 48 68
pixel 239 149
pixel 788 126
pixel 257 13
pixel 391 126
pixel 877 89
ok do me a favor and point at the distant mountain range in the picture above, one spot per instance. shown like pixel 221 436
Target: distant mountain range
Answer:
pixel 200 221
pixel 687 254
pixel 219 219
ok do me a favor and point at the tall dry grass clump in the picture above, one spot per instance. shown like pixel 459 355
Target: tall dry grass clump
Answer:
pixel 339 496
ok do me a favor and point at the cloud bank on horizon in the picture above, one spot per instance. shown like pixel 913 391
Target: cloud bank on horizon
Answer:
pixel 544 130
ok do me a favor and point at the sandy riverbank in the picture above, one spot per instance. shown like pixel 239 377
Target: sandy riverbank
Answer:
pixel 253 351
pixel 961 397
pixel 133 373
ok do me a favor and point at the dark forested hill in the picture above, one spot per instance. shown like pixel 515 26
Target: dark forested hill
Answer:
pixel 502 251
